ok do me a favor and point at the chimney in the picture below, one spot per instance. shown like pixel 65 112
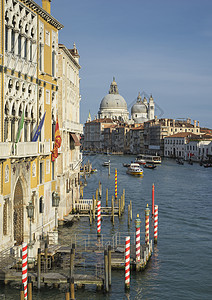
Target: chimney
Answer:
pixel 198 123
pixel 46 5
pixel 195 123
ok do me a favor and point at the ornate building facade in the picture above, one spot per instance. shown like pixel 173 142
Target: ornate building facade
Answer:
pixel 28 90
pixel 68 163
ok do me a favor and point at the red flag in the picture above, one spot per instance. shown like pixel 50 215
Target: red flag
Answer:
pixel 57 137
pixel 57 143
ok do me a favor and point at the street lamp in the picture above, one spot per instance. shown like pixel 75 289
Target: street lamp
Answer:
pixel 30 213
pixel 55 203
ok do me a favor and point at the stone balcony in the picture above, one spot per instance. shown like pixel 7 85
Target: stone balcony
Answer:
pixel 73 126
pixel 5 150
pixel 24 149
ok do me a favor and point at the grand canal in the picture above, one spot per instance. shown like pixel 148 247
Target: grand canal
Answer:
pixel 180 267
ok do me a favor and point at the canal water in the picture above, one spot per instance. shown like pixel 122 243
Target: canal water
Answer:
pixel 181 265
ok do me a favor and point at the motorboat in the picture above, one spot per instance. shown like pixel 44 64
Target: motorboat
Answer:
pixel 156 159
pixel 140 161
pixel 180 161
pixel 94 170
pixel 135 169
pixel 106 163
pixel 150 166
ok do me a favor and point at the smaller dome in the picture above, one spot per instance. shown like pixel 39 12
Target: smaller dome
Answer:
pixel 138 107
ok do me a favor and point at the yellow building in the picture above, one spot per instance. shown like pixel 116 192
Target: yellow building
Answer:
pixel 28 90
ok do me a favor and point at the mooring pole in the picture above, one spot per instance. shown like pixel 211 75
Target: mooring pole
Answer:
pixel 68 295
pixel 128 215
pixel 138 242
pixel 71 263
pixel 29 297
pixel 106 270
pixel 127 262
pixel 147 210
pixel 112 210
pixel 22 292
pixel 72 288
pixel 39 268
pixel 109 265
pixel 156 225
pixel 106 197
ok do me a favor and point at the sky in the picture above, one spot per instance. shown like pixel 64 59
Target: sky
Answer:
pixel 158 47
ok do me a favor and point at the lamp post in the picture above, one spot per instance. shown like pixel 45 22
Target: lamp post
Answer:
pixel 30 213
pixel 55 203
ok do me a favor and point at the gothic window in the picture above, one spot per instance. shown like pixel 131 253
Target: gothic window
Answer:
pixel 30 52
pixel 6 174
pixel 13 41
pixel 41 173
pixel 25 48
pixel 40 57
pixel 6 38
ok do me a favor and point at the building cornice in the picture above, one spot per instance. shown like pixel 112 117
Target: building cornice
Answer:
pixel 41 12
pixel 67 52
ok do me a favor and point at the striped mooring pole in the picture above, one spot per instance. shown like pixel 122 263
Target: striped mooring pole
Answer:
pixel 147 210
pixel 127 262
pixel 153 199
pixel 156 225
pixel 138 242
pixel 99 218
pixel 24 268
pixel 116 195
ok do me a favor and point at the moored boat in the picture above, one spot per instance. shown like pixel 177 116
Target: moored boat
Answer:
pixel 150 166
pixel 106 163
pixel 135 169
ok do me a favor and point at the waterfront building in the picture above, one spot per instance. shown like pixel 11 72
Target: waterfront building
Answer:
pixel 187 146
pixel 119 137
pixel 156 130
pixel 93 134
pixel 136 143
pixel 142 111
pixel 28 98
pixel 113 105
pixel 68 162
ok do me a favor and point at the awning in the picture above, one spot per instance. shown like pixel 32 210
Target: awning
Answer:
pixel 76 140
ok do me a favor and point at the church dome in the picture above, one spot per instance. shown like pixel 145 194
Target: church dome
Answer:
pixel 139 107
pixel 113 101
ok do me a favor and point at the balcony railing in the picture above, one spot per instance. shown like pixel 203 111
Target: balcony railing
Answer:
pixel 5 150
pixel 44 148
pixel 25 149
pixel 73 126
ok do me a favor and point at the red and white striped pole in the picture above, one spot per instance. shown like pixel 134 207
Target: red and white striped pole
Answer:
pixel 24 268
pixel 153 199
pixel 127 262
pixel 138 242
pixel 116 194
pixel 147 210
pixel 99 218
pixel 156 225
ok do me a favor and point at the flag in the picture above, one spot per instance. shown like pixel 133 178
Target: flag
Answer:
pixel 57 143
pixel 38 131
pixel 20 127
pixel 57 136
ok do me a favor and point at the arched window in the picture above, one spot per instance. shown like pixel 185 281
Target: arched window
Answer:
pixel 13 125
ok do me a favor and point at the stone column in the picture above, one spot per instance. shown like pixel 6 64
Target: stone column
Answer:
pixel 9 38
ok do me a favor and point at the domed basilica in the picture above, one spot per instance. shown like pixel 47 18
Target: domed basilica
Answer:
pixel 114 106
